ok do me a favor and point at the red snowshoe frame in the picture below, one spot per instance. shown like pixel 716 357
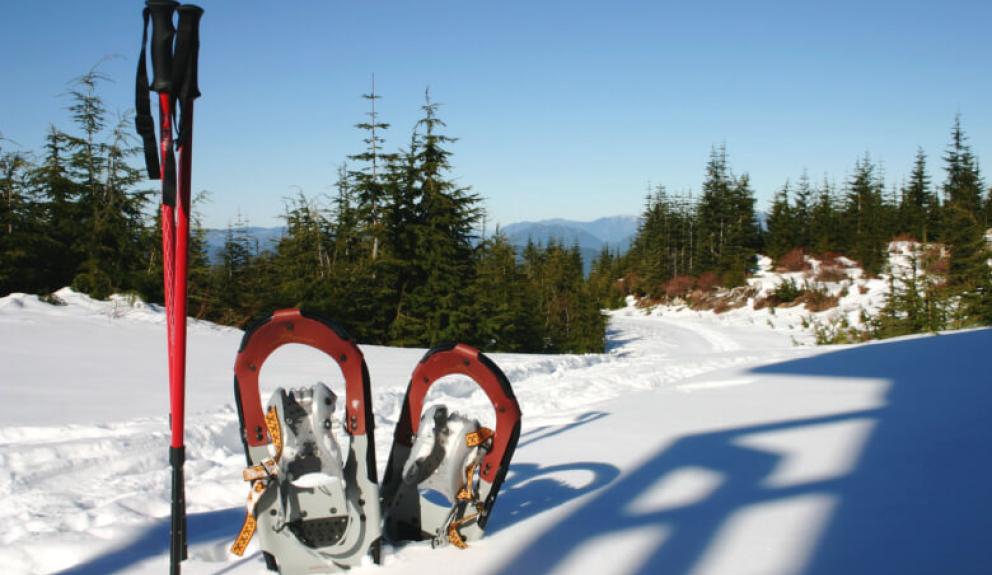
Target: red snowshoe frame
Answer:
pixel 407 520
pixel 282 552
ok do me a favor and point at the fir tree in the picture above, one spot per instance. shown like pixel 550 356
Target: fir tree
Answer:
pixel 802 211
pixel 503 307
pixel 436 309
pixel 963 233
pixel 20 226
pixel 302 258
pixel 58 197
pixel 782 225
pixel 918 207
pixel 368 186
pixel 112 217
pixel 864 218
pixel 727 230
pixel 603 280
pixel 824 232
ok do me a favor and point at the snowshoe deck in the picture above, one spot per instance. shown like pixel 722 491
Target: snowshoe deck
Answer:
pixel 445 469
pixel 311 511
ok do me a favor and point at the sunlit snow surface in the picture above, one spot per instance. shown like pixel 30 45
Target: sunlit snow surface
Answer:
pixel 697 444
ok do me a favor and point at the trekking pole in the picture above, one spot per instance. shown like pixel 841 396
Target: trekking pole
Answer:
pixel 174 78
pixel 185 87
pixel 163 34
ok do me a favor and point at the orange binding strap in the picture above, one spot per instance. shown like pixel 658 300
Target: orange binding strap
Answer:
pixel 259 476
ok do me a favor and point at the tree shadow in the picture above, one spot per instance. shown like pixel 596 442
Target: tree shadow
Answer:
pixel 916 501
pixel 206 527
pixel 919 500
pixel 532 489
pixel 546 431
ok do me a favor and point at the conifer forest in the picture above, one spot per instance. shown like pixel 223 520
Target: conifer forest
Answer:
pixel 401 255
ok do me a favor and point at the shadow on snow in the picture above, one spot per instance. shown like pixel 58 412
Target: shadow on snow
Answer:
pixel 212 526
pixel 528 490
pixel 917 500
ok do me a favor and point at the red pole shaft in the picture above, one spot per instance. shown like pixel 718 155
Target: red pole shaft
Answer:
pixel 183 200
pixel 168 247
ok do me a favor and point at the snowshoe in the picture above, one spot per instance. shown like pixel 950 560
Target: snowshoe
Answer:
pixel 311 511
pixel 445 469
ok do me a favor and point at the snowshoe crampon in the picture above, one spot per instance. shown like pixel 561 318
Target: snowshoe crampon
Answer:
pixel 445 469
pixel 311 511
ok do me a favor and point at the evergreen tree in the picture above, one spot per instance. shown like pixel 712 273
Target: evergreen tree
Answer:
pixel 20 226
pixel 58 196
pixel 918 207
pixel 233 276
pixel 863 214
pixel 603 280
pixel 368 186
pixel 714 212
pixel 963 232
pixel 802 211
pixel 651 244
pixel 436 310
pixel 503 307
pixel 905 309
pixel 302 259
pixel 824 232
pixel 112 217
pixel 782 225
pixel 727 230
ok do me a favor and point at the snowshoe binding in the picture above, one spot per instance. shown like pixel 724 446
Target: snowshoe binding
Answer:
pixel 445 469
pixel 311 511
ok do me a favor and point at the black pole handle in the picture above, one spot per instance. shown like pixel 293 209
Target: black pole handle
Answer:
pixel 184 73
pixel 163 33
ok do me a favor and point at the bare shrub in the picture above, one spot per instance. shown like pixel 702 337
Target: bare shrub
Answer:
pixel 794 261
pixel 830 274
pixel 708 281
pixel 679 286
pixel 817 300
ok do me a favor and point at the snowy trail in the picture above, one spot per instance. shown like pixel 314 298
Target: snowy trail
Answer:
pixel 691 446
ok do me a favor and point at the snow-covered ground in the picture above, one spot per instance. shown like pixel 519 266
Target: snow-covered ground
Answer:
pixel 699 443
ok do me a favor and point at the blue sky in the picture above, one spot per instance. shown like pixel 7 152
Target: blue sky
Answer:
pixel 563 109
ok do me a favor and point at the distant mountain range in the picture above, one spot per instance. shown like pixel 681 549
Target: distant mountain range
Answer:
pixel 615 232
pixel 265 238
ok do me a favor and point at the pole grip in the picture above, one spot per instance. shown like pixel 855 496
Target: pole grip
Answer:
pixel 163 33
pixel 185 72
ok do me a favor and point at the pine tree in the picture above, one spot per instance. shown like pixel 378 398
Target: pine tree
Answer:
pixel 918 207
pixel 302 258
pixel 368 186
pixel 782 225
pixel 112 218
pixel 863 213
pixel 436 310
pixel 714 212
pixel 233 276
pixel 503 306
pixel 728 233
pixel 20 226
pixel 603 280
pixel 57 194
pixel 802 211
pixel 963 233
pixel 824 232
pixel 651 244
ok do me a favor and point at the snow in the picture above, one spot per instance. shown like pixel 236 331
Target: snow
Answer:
pixel 699 443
